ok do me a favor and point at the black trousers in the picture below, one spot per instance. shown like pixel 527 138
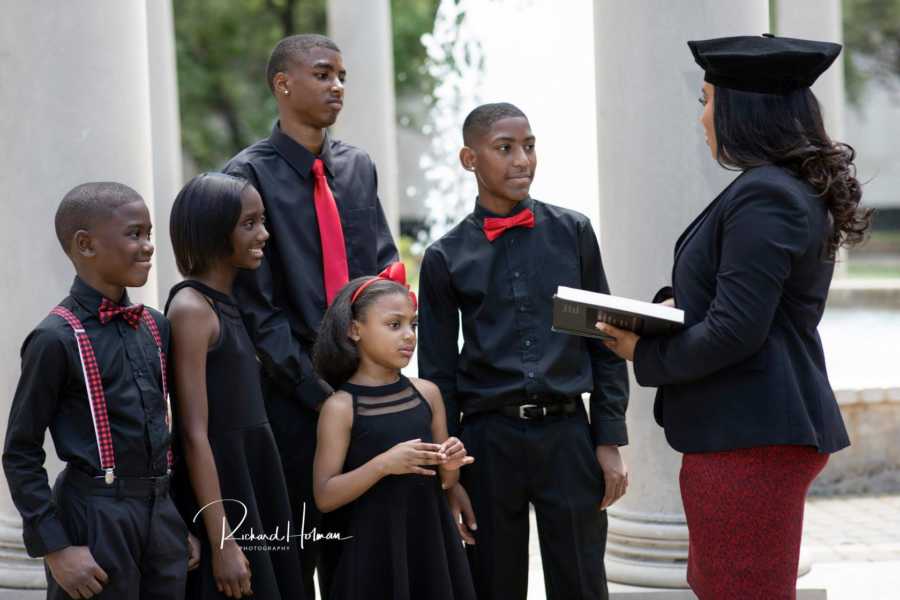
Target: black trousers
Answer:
pixel 135 534
pixel 551 464
pixel 294 428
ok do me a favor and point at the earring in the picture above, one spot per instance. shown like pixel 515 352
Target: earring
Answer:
pixel 286 92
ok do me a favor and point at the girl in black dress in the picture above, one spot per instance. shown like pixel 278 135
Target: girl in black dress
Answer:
pixel 234 481
pixel 380 437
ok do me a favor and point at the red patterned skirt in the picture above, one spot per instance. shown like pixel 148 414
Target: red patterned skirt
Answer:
pixel 744 512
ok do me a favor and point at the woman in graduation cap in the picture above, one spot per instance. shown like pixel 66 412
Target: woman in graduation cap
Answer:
pixel 743 389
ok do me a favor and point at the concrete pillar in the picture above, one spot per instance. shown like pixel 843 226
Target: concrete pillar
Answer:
pixel 655 175
pixel 820 20
pixel 362 30
pixel 74 107
pixel 166 137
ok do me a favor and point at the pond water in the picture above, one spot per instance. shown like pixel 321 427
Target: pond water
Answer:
pixel 862 347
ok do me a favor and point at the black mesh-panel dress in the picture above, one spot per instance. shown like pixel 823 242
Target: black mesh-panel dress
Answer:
pixel 404 543
pixel 247 462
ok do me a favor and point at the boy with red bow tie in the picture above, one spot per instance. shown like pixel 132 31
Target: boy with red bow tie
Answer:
pixel 516 383
pixel 94 374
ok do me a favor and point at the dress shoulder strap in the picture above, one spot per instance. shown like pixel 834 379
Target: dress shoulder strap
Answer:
pixel 210 295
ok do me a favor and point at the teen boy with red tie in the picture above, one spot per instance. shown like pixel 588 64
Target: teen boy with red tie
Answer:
pixel 518 384
pixel 327 227
pixel 93 373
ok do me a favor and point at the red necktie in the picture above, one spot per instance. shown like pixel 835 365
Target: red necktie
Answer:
pixel 334 253
pixel 495 226
pixel 130 314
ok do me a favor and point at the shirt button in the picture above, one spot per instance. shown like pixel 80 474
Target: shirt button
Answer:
pixel 516 274
pixel 527 343
pixel 533 396
pixel 522 308
pixel 530 374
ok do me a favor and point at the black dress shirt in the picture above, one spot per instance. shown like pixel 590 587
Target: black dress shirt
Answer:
pixel 283 301
pixel 504 291
pixel 51 394
pixel 752 276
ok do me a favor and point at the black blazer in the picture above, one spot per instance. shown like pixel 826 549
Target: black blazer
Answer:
pixel 752 275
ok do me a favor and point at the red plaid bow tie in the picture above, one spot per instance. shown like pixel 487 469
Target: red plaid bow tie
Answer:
pixel 495 226
pixel 130 314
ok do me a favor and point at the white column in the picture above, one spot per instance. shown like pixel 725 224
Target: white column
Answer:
pixel 166 134
pixel 362 30
pixel 820 20
pixel 655 175
pixel 74 107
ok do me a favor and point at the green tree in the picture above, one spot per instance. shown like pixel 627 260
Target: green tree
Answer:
pixel 872 32
pixel 410 20
pixel 222 47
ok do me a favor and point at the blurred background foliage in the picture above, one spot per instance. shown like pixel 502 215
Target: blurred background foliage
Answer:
pixel 871 32
pixel 222 49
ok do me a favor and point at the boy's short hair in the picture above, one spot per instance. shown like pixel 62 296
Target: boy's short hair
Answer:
pixel 480 120
pixel 290 47
pixel 88 203
pixel 204 214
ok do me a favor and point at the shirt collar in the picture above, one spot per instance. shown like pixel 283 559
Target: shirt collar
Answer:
pixel 481 212
pixel 297 155
pixel 89 299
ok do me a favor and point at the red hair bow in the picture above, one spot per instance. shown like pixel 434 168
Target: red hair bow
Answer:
pixel 395 272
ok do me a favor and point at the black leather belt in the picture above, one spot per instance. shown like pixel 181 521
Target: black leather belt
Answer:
pixel 536 412
pixel 130 487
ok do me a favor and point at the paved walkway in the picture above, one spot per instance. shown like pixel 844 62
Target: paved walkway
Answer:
pixel 863 529
pixel 852 542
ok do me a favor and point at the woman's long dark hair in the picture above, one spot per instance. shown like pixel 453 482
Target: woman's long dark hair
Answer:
pixel 335 355
pixel 787 130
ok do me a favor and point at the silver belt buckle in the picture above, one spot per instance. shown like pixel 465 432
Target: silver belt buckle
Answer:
pixel 524 406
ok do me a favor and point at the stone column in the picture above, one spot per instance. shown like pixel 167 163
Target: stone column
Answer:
pixel 166 134
pixel 655 175
pixel 362 30
pixel 74 107
pixel 820 20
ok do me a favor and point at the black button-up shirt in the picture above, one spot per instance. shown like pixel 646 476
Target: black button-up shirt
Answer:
pixel 283 301
pixel 51 394
pixel 504 291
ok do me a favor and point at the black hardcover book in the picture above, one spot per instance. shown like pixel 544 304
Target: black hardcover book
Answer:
pixel 577 311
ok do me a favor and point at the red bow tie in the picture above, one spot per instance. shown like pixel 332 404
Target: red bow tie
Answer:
pixel 130 314
pixel 495 226
pixel 394 272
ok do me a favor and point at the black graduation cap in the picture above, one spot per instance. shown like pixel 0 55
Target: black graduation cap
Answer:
pixel 765 64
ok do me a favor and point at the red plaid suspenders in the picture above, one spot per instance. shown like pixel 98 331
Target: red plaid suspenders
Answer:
pixel 93 383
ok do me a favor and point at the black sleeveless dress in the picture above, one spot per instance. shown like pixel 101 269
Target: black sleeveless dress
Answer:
pixel 404 544
pixel 247 462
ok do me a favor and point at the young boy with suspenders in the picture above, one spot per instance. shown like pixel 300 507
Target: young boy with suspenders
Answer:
pixel 94 374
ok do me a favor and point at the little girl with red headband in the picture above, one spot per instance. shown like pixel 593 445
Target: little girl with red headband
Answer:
pixel 383 455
